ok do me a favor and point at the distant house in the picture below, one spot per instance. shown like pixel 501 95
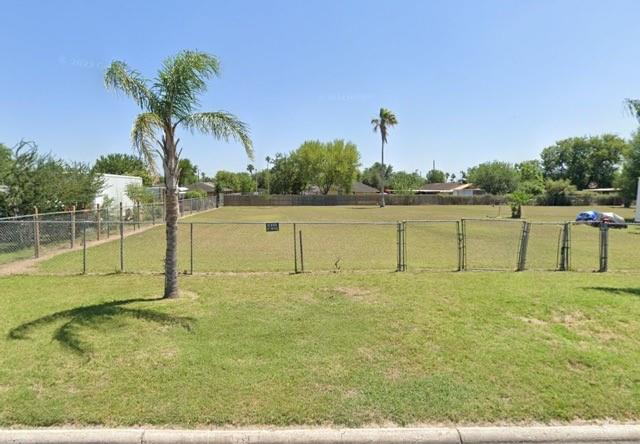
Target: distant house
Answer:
pixel 360 188
pixel 451 188
pixel 604 190
pixel 4 189
pixel 206 187
pixel 115 189
pixel 160 190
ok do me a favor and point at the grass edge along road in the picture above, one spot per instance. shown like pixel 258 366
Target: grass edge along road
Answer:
pixel 324 349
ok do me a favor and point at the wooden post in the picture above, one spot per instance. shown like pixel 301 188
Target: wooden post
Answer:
pixel 98 221
pixel 73 226
pixel 36 233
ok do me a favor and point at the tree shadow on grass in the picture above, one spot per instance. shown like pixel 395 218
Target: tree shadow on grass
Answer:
pixel 617 291
pixel 91 316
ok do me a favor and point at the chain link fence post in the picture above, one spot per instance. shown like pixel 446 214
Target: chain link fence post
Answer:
pixel 522 250
pixel 301 253
pixel 121 239
pixel 462 246
pixel 565 248
pixel 108 219
pixel 191 248
pixel 404 245
pixel 295 250
pixel 398 245
pixel 84 247
pixel 36 233
pixel 73 226
pixel 98 222
pixel 604 248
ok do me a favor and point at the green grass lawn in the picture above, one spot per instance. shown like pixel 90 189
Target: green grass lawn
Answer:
pixel 336 348
pixel 492 243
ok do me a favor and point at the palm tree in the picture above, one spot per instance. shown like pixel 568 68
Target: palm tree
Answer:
pixel 382 123
pixel 250 169
pixel 168 102
pixel 268 175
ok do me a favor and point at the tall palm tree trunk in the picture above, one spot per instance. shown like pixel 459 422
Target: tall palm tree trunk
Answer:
pixel 171 174
pixel 382 172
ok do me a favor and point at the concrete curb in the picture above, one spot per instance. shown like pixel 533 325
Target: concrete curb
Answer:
pixel 621 434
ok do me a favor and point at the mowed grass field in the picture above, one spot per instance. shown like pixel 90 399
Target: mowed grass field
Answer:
pixel 320 349
pixel 491 242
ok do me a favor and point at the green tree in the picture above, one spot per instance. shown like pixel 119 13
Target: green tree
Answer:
pixel 5 162
pixel 139 193
pixel 245 182
pixel 338 167
pixel 286 176
pixel 517 199
pixel 188 172
pixel 627 181
pixel 402 182
pixel 584 161
pixel 169 102
pixel 494 177
pixel 558 192
pixel 251 169
pixel 125 164
pixel 371 176
pixel 436 176
pixel 530 177
pixel 382 123
pixel 225 180
pixel 36 180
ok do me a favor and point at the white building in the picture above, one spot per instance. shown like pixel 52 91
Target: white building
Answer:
pixel 115 189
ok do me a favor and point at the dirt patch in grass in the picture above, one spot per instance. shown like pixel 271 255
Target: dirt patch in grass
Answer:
pixel 356 294
pixel 532 321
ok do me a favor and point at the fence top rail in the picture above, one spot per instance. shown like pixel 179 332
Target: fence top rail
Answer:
pixel 51 213
pixel 30 221
pixel 183 222
pixel 115 208
pixel 291 222
pixel 492 219
pixel 431 220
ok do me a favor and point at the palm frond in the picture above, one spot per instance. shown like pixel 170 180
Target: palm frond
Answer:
pixel 633 106
pixel 221 125
pixel 144 137
pixel 122 78
pixel 388 117
pixel 182 78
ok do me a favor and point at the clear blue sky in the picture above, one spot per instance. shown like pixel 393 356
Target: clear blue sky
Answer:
pixel 469 80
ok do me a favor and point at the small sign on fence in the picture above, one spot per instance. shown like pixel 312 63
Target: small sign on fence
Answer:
pixel 273 226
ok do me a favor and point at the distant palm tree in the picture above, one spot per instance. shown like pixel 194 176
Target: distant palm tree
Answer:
pixel 251 169
pixel 169 101
pixel 382 123
pixel 268 174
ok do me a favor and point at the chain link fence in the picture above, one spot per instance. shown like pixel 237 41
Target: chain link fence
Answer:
pixel 35 235
pixel 137 244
